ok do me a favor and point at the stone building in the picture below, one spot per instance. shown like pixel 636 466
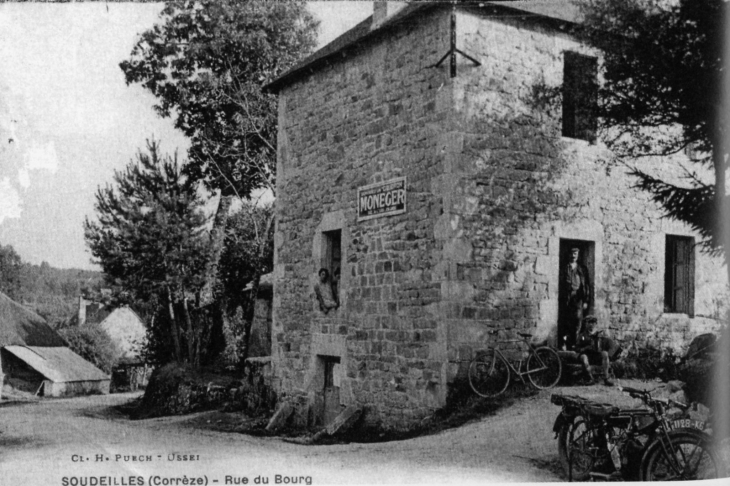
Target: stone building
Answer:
pixel 422 154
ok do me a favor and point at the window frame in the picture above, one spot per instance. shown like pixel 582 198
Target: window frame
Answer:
pixel 679 274
pixel 332 253
pixel 579 96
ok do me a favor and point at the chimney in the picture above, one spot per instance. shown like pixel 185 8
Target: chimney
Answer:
pixel 382 11
pixel 82 311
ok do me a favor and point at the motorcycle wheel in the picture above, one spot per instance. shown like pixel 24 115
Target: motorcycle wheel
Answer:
pixel 693 458
pixel 575 448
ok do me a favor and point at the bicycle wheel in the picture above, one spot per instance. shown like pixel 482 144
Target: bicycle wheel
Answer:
pixel 576 449
pixel 489 375
pixel 544 368
pixel 686 457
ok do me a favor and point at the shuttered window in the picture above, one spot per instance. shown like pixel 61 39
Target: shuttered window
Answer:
pixel 679 275
pixel 580 96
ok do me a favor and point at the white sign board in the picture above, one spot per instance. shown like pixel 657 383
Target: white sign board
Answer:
pixel 386 198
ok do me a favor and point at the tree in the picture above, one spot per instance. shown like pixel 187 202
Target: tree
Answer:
pixel 663 93
pixel 10 268
pixel 93 344
pixel 206 63
pixel 248 254
pixel 667 88
pixel 150 241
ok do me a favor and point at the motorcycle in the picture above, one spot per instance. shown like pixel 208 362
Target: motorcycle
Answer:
pixel 605 442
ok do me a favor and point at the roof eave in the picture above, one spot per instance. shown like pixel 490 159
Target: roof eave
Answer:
pixel 317 60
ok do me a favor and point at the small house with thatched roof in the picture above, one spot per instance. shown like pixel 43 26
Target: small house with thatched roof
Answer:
pixel 127 331
pixel 128 334
pixel 34 358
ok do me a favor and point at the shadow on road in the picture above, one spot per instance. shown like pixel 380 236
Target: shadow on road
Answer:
pixel 18 442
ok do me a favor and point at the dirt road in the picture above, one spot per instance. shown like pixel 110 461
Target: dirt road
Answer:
pixel 78 442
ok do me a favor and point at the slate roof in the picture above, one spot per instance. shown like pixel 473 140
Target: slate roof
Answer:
pixel 58 364
pixel 565 11
pixel 22 326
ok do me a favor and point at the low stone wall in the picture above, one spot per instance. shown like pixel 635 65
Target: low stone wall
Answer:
pixel 255 393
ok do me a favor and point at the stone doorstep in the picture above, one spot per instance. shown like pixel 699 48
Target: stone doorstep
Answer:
pixel 344 420
pixel 342 423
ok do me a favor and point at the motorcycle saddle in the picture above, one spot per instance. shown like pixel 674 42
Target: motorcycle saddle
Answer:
pixel 600 409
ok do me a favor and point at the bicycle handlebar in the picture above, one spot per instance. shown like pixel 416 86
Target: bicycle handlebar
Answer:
pixel 677 404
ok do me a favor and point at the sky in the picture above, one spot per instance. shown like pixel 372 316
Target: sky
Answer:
pixel 68 120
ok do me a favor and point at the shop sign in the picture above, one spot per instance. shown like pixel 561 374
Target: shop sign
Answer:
pixel 382 199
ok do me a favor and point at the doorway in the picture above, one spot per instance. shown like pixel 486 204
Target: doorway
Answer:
pixel 586 258
pixel 331 390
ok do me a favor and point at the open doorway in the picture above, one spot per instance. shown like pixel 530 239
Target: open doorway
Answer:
pixel 587 260
pixel 331 389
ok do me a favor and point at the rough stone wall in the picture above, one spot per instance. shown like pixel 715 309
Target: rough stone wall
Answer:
pixel 518 187
pixel 373 116
pixel 260 340
pixel 492 188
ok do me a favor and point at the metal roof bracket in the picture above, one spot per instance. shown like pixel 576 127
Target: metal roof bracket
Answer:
pixel 453 50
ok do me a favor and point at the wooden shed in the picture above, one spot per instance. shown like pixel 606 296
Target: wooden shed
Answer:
pixel 52 371
pixel 34 358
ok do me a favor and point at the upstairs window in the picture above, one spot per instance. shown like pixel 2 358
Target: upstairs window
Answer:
pixel 580 96
pixel 332 259
pixel 679 275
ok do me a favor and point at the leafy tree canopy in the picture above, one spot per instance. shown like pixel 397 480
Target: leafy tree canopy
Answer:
pixel 149 235
pixel 93 344
pixel 249 248
pixel 248 254
pixel 151 241
pixel 51 292
pixel 662 93
pixel 206 62
pixel 10 266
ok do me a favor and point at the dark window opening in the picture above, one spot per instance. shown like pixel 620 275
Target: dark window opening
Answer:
pixel 332 259
pixel 580 96
pixel 679 275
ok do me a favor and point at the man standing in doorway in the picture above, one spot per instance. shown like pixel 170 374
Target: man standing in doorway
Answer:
pixel 578 291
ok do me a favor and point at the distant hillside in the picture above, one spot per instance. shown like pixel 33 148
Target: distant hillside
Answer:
pixel 51 292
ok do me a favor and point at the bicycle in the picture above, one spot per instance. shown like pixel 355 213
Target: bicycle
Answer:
pixel 490 372
pixel 605 442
